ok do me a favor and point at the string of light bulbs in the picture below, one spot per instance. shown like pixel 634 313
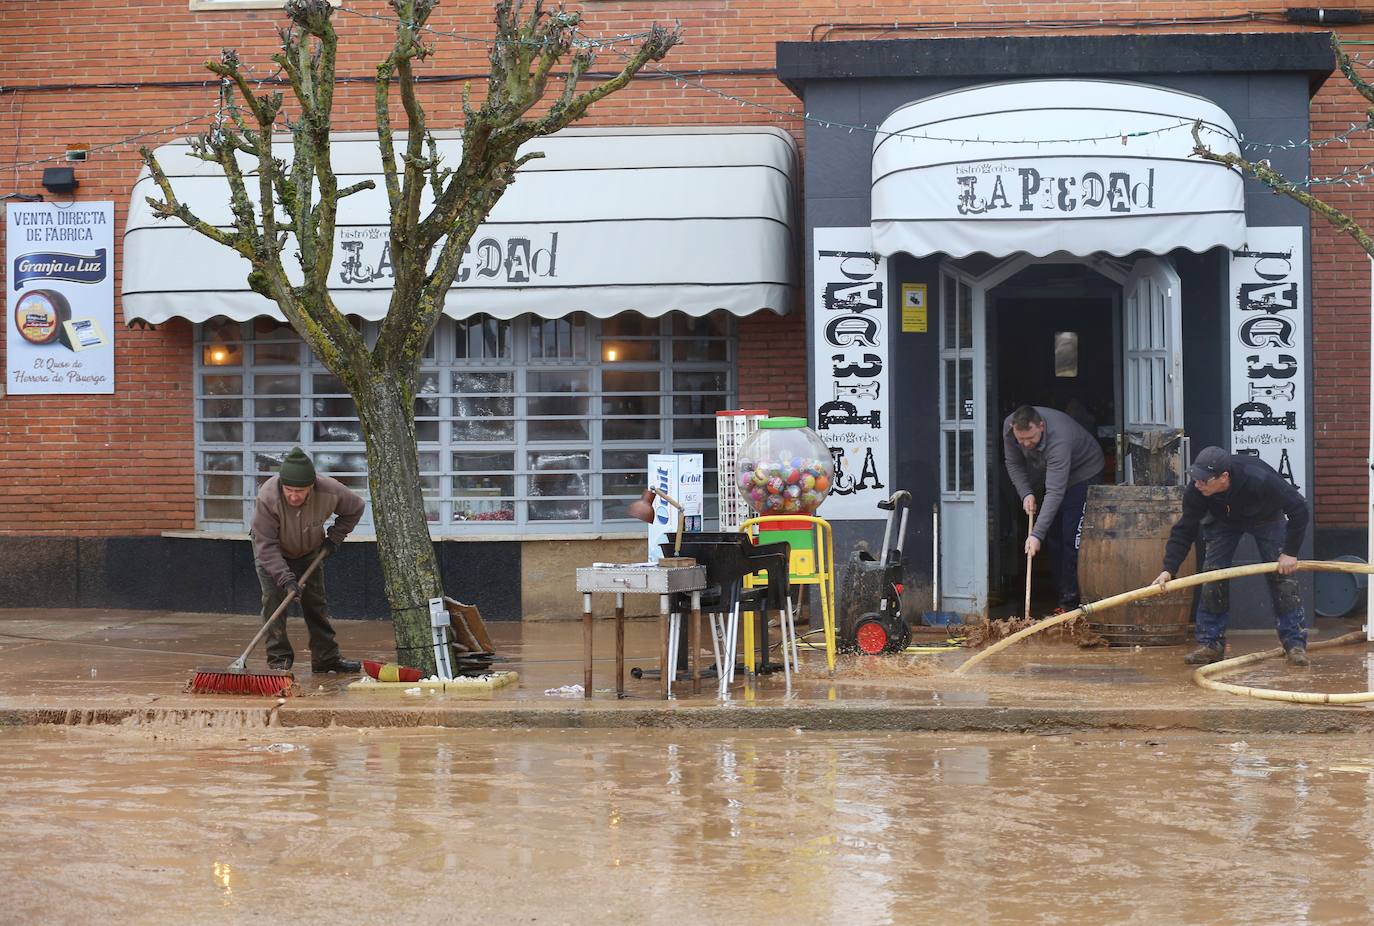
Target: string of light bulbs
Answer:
pixel 1345 177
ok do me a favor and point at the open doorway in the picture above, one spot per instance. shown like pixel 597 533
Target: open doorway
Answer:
pixel 1054 338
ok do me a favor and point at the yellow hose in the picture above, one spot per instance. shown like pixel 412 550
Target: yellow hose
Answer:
pixel 1201 578
pixel 1200 676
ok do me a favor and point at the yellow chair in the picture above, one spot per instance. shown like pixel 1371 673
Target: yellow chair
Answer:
pixel 812 563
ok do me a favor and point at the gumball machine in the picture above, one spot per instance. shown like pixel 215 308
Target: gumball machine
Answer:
pixel 784 472
pixel 784 468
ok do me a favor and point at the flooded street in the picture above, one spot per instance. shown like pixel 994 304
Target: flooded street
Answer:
pixel 166 824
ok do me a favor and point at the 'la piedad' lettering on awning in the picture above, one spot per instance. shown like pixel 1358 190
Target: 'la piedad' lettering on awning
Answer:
pixel 514 259
pixel 982 191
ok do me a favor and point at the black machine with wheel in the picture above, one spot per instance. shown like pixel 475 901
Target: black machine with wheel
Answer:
pixel 870 593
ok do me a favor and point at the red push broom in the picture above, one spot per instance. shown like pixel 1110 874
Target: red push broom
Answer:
pixel 236 679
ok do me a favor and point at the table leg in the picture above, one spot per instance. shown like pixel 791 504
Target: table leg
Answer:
pixel 694 641
pixel 666 671
pixel 586 645
pixel 620 644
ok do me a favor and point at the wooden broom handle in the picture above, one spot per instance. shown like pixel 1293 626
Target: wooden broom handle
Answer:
pixel 1030 526
pixel 242 661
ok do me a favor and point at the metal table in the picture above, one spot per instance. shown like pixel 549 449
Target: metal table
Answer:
pixel 637 579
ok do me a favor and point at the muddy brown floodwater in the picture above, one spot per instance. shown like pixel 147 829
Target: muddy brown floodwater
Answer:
pixel 167 824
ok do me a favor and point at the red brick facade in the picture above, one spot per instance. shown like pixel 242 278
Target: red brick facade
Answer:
pixel 124 464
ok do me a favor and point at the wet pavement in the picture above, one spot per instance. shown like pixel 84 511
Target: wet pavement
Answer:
pixel 173 823
pixel 107 665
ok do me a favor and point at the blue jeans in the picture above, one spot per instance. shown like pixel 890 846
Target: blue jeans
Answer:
pixel 1214 610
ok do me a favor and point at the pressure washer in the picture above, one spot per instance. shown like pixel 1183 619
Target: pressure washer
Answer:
pixel 871 620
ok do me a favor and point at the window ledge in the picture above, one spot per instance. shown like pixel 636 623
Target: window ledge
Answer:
pixel 463 538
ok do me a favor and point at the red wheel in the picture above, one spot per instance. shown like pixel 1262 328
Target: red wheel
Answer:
pixel 870 637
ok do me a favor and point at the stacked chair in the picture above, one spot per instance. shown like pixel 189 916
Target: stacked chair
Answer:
pixel 728 559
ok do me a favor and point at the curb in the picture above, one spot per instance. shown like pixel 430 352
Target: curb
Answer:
pixel 855 719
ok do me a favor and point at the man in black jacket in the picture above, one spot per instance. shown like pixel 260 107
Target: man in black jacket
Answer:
pixel 1232 496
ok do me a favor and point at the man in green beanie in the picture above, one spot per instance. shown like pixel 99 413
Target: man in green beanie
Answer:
pixel 288 530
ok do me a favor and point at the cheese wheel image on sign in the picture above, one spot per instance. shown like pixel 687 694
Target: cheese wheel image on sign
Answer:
pixel 39 315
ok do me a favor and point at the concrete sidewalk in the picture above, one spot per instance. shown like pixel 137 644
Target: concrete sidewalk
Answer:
pixel 114 666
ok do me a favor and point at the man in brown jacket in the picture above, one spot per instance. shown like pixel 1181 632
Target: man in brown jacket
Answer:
pixel 288 530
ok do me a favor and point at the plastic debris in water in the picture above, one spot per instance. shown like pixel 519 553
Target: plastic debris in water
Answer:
pixel 565 691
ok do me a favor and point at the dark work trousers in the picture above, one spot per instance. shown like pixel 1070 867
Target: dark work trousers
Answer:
pixel 323 648
pixel 1214 608
pixel 1064 539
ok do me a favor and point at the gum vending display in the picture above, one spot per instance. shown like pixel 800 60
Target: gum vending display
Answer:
pixel 784 468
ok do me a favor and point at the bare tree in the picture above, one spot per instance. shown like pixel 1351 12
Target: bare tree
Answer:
pixel 279 205
pixel 1266 174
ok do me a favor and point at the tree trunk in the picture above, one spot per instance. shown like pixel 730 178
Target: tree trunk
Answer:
pixel 403 541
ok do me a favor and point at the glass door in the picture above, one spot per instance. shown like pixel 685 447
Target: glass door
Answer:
pixel 1152 354
pixel 963 486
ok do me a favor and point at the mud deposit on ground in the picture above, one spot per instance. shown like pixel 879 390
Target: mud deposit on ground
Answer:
pixel 168 824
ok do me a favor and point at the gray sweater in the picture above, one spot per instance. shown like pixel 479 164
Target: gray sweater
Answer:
pixel 1066 455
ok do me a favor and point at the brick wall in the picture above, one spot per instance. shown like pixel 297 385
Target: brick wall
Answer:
pixel 124 464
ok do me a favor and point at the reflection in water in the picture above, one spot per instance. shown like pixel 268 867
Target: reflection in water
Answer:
pixel 224 877
pixel 684 827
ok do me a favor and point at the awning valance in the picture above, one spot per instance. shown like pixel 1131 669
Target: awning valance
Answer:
pixel 610 220
pixel 1079 166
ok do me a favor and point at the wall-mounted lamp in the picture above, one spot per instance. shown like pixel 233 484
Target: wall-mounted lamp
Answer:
pixel 642 509
pixel 60 179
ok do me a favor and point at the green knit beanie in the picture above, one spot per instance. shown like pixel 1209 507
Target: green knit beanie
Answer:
pixel 296 469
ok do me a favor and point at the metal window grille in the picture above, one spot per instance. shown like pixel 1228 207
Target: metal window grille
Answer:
pixel 527 425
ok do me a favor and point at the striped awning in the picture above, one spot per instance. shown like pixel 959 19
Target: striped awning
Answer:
pixel 1044 166
pixel 611 220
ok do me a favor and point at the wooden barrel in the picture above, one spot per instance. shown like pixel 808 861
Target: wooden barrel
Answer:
pixel 1124 530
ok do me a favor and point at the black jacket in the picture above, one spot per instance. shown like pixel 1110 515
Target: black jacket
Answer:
pixel 1257 496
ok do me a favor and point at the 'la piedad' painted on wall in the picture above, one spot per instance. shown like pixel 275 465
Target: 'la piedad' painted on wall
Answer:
pixel 1268 356
pixel 849 344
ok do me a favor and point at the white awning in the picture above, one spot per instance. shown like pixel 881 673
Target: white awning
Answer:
pixel 1080 166
pixel 610 220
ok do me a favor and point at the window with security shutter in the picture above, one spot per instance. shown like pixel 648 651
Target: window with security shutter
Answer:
pixel 529 425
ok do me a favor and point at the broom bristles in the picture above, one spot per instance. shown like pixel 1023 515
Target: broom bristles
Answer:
pixel 266 683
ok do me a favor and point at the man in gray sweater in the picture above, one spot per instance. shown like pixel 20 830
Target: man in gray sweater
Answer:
pixel 289 528
pixel 1045 447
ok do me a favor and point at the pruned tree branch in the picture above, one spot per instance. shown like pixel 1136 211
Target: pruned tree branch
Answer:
pixel 273 202
pixel 169 207
pixel 1348 69
pixel 1265 174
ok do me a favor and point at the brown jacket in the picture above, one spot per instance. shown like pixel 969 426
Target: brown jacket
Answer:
pixel 281 532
